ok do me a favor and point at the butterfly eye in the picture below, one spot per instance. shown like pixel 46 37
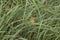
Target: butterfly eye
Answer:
pixel 32 19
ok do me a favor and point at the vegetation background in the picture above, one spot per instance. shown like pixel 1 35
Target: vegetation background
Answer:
pixel 29 19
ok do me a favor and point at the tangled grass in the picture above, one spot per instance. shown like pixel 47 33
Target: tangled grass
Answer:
pixel 29 19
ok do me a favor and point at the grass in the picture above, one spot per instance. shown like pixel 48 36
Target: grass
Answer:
pixel 29 19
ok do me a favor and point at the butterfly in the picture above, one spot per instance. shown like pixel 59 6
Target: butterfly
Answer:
pixel 32 19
